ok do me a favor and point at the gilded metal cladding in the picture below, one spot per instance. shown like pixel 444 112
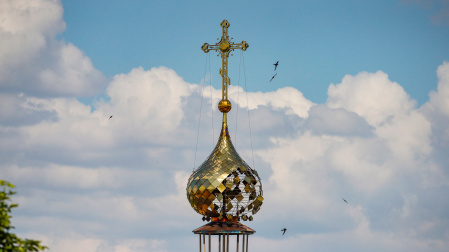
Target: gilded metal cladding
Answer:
pixel 224 106
pixel 225 186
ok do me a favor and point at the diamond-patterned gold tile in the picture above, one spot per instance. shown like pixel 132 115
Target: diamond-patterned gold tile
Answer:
pixel 216 183
pixel 221 188
pixel 247 189
pixel 239 197
pixel 229 206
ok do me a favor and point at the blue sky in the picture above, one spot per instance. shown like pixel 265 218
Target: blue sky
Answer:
pixel 316 42
pixel 358 110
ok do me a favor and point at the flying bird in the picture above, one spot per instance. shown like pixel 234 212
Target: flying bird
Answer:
pixel 276 65
pixel 345 201
pixel 110 117
pixel 284 229
pixel 273 77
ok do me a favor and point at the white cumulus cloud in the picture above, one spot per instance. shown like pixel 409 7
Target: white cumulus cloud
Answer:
pixel 33 61
pixel 371 95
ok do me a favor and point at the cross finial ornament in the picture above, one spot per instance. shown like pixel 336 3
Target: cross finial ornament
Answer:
pixel 224 46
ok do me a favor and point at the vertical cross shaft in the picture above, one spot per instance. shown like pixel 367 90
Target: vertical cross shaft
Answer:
pixel 224 46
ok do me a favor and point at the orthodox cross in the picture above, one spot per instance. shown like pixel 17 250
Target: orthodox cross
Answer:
pixel 224 46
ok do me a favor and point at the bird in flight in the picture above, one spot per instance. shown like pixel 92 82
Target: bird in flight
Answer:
pixel 284 229
pixel 276 65
pixel 273 77
pixel 345 201
pixel 110 117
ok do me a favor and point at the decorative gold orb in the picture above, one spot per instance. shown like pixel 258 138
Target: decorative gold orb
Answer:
pixel 224 106
pixel 224 46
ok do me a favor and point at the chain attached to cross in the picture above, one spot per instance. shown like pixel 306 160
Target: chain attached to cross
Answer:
pixel 224 46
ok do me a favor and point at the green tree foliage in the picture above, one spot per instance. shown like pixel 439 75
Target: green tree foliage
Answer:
pixel 9 242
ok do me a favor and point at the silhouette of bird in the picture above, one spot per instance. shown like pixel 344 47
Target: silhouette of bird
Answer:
pixel 276 65
pixel 273 77
pixel 345 201
pixel 284 229
pixel 110 117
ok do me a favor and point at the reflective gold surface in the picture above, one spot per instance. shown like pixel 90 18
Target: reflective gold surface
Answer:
pixel 224 46
pixel 224 106
pixel 225 186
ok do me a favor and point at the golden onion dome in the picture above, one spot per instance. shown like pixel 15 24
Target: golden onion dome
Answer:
pixel 225 187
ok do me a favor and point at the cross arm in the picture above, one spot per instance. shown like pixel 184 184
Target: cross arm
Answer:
pixel 206 47
pixel 243 46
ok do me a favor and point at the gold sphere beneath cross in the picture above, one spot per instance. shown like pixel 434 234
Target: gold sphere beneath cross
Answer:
pixel 224 106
